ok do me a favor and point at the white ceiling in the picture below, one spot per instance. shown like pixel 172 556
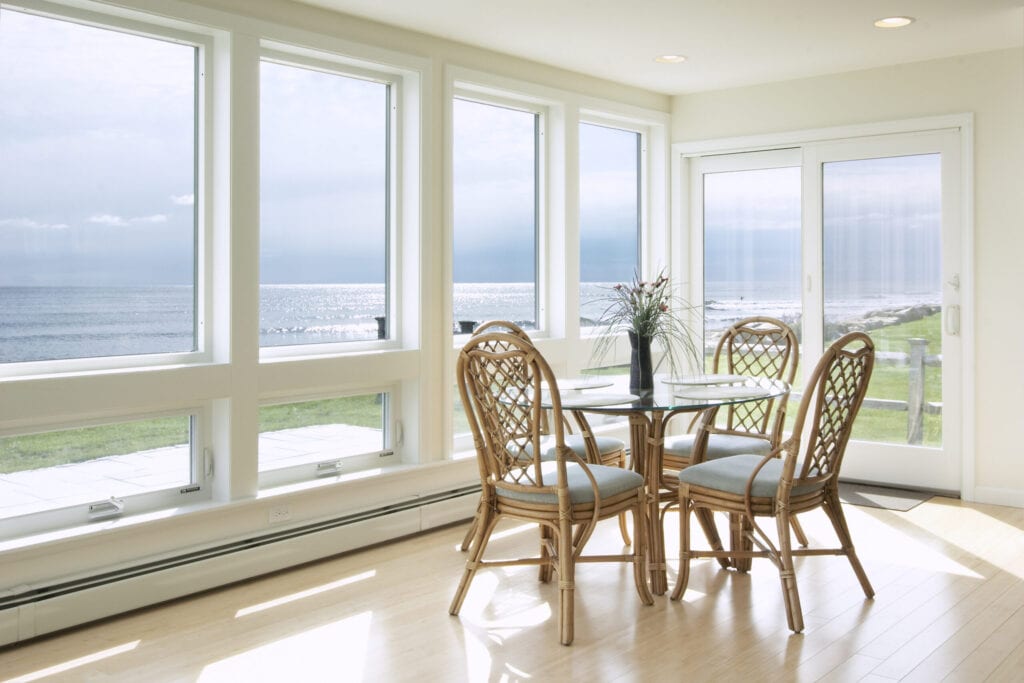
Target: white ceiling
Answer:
pixel 728 43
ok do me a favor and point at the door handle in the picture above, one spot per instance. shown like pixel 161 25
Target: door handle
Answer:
pixel 953 319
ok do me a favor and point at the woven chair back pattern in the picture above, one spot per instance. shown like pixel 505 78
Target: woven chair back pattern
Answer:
pixel 757 347
pixel 840 387
pixel 500 379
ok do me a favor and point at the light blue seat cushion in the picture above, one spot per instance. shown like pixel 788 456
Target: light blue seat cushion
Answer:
pixel 605 446
pixel 730 475
pixel 611 481
pixel 719 445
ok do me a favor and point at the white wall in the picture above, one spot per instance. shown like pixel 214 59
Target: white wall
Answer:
pixel 991 86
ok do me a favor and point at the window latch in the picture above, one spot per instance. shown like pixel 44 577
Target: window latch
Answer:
pixel 106 509
pixel 328 469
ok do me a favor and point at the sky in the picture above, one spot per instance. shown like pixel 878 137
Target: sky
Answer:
pixel 96 155
pixel 97 161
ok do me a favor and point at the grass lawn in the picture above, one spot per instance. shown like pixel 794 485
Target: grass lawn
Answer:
pixel 20 453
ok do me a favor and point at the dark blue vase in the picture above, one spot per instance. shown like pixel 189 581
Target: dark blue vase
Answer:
pixel 641 371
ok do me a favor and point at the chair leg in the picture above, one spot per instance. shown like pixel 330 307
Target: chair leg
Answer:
pixel 834 510
pixel 640 576
pixel 798 531
pixel 623 527
pixel 566 583
pixel 707 524
pixel 468 538
pixel 485 525
pixel 545 569
pixel 787 574
pixel 739 526
pixel 683 577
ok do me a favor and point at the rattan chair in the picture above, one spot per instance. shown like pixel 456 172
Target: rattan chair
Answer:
pixel 754 347
pixel 752 486
pixel 604 450
pixel 500 378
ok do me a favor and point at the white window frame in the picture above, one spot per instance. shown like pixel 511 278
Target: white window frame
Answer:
pixel 686 226
pixel 643 264
pixel 352 466
pixel 486 96
pixel 197 490
pixel 203 262
pixel 328 63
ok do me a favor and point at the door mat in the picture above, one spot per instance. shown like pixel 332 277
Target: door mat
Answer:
pixel 882 497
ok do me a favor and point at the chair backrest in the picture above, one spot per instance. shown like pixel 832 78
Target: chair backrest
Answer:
pixel 516 330
pixel 758 347
pixel 502 326
pixel 836 390
pixel 500 378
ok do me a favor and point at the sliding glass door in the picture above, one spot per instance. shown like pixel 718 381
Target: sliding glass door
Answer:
pixel 852 235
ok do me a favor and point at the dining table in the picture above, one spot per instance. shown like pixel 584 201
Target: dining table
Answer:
pixel 649 412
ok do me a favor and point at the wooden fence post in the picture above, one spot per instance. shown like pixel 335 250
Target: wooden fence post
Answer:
pixel 915 396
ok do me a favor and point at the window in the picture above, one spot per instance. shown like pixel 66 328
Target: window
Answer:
pixel 96 467
pixel 496 214
pixel 324 206
pixel 610 185
pixel 97 191
pixel 324 437
pixel 752 255
pixel 882 235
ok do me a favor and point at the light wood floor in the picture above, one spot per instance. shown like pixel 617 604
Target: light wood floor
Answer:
pixel 949 579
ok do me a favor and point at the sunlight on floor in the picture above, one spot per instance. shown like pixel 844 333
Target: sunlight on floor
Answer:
pixel 334 652
pixel 301 595
pixel 963 534
pixel 900 547
pixel 498 617
pixel 64 667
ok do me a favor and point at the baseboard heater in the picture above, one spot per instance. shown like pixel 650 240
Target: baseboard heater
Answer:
pixel 23 612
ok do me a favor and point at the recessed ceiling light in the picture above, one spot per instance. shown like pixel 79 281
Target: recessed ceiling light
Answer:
pixel 894 22
pixel 670 59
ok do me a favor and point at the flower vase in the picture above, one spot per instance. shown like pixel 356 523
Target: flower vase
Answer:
pixel 641 371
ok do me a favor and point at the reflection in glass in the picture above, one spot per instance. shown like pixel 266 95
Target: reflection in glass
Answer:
pixel 494 160
pixel 323 207
pixel 609 214
pixel 882 264
pixel 751 249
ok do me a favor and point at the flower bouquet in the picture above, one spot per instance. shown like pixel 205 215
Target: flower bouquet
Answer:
pixel 648 311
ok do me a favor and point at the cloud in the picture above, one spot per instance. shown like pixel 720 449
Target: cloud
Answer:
pixel 30 224
pixel 120 222
pixel 107 219
pixel 183 199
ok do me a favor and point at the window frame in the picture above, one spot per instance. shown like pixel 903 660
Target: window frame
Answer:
pixel 198 490
pixel 356 465
pixel 643 172
pixel 202 187
pixel 330 63
pixel 541 174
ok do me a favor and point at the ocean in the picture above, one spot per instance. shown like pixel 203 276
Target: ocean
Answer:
pixel 51 323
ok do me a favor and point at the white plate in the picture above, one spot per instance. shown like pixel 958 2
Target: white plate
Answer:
pixel 573 400
pixel 720 392
pixel 581 383
pixel 705 380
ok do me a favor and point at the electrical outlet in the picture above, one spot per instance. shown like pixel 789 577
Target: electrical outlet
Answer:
pixel 281 513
